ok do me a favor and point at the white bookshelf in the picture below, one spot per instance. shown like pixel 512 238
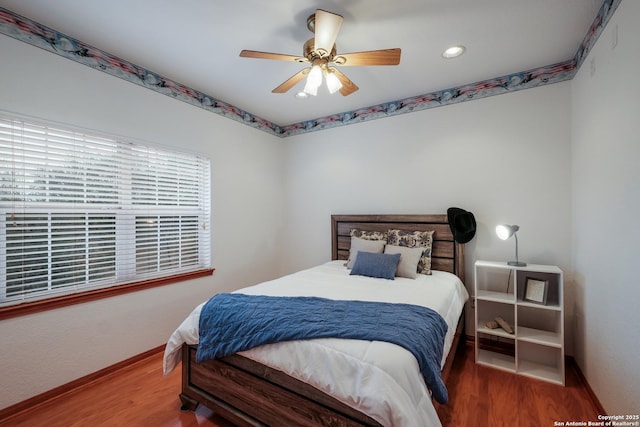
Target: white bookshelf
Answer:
pixel 536 346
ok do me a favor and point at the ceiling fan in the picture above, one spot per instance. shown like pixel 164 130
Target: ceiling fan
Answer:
pixel 320 52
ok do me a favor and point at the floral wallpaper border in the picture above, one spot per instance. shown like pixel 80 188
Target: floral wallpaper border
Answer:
pixel 29 31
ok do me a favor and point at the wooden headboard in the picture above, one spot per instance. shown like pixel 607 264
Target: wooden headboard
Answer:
pixel 446 254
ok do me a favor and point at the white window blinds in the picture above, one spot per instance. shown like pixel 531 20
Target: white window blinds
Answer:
pixel 80 211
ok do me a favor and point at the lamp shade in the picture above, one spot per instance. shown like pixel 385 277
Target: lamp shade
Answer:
pixel 315 76
pixel 314 80
pixel 310 89
pixel 505 231
pixel 333 83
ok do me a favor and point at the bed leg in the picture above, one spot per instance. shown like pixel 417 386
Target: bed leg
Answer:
pixel 188 404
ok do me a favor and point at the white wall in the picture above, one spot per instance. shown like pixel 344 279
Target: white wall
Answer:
pixel 504 158
pixel 606 211
pixel 42 351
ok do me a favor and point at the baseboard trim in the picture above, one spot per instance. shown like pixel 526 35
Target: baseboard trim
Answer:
pixel 73 386
pixel 590 393
pixel 570 362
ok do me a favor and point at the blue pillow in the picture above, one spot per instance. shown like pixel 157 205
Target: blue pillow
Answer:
pixel 382 266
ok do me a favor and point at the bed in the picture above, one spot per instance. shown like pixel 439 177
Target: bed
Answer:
pixel 303 383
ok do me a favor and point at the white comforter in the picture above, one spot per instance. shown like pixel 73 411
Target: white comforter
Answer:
pixel 380 379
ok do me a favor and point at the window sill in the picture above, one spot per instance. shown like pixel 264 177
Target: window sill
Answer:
pixel 67 300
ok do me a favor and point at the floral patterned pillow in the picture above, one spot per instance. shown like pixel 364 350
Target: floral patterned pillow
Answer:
pixel 368 235
pixel 414 239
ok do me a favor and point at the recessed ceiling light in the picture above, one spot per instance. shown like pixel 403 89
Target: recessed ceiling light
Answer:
pixel 453 52
pixel 301 95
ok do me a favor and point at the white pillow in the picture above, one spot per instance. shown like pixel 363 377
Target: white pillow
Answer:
pixel 409 258
pixel 358 244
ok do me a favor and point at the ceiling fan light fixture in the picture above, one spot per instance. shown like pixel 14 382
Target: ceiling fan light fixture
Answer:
pixel 320 51
pixel 333 83
pixel 315 76
pixel 314 80
pixel 453 51
pixel 310 89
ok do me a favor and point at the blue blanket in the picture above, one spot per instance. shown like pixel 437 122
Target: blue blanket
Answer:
pixel 235 322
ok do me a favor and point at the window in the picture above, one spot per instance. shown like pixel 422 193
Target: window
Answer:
pixel 81 211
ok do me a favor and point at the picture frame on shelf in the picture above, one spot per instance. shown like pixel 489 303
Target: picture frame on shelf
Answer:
pixel 535 290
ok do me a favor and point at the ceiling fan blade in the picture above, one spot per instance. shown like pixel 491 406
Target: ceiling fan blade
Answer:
pixel 291 81
pixel 371 57
pixel 269 55
pixel 327 27
pixel 348 87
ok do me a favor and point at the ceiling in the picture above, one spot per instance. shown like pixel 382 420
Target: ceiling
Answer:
pixel 197 43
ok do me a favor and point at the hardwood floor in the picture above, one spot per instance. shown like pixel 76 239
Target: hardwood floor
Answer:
pixel 135 396
pixel 479 396
pixel 483 396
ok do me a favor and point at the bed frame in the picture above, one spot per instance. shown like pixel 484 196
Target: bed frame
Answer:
pixel 251 394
